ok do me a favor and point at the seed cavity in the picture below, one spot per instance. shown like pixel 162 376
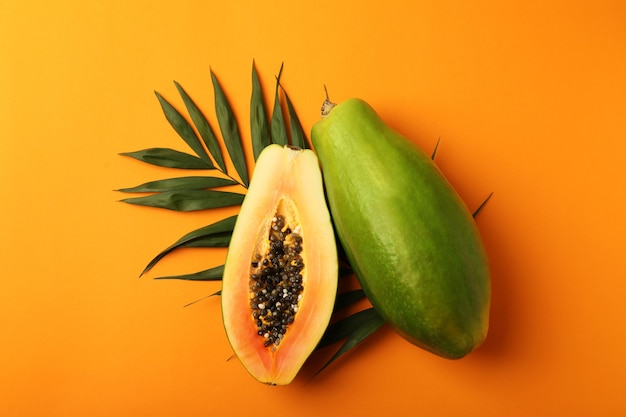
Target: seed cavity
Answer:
pixel 276 282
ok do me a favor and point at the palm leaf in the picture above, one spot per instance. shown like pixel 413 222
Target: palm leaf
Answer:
pixel 354 329
pixel 169 158
pixel 298 138
pixel 279 130
pixel 213 235
pixel 259 126
pixel 203 127
pixel 211 274
pixel 230 131
pixel 182 183
pixel 183 128
pixel 188 200
pixel 218 292
pixel 347 298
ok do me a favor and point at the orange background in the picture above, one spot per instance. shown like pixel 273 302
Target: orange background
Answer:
pixel 528 98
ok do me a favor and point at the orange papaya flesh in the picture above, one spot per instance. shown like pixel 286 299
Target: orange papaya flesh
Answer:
pixel 280 276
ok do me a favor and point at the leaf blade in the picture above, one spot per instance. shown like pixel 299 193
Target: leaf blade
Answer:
pixel 298 138
pixel 230 131
pixel 259 126
pixel 346 326
pixel 188 200
pixel 216 293
pixel 211 274
pixel 278 129
pixel 203 127
pixel 169 158
pixel 355 328
pixel 219 228
pixel 183 128
pixel 217 240
pixel 348 298
pixel 181 183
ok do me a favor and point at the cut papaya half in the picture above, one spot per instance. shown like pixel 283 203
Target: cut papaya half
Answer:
pixel 280 277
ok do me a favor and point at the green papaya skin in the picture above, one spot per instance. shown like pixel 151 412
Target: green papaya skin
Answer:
pixel 411 240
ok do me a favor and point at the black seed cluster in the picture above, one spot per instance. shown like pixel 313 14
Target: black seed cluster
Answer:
pixel 276 282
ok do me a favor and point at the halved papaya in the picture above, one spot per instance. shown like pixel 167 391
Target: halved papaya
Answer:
pixel 280 278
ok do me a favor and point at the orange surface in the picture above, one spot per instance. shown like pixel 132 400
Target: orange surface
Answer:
pixel 528 98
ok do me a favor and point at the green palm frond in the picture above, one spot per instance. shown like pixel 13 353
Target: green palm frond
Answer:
pixel 204 128
pixel 353 330
pixel 278 126
pixel 169 158
pixel 259 125
pixel 298 138
pixel 181 183
pixel 211 274
pixel 230 131
pixel 216 235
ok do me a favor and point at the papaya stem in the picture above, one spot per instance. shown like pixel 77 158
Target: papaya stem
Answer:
pixel 328 105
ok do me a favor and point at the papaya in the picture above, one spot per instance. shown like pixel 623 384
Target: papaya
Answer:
pixel 409 237
pixel 280 276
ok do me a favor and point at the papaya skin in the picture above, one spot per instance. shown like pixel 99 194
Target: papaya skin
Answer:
pixel 411 240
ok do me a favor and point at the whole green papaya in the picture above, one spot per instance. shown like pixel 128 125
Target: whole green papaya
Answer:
pixel 411 240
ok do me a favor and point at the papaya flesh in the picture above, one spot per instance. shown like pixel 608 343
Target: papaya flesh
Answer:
pixel 280 277
pixel 411 240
